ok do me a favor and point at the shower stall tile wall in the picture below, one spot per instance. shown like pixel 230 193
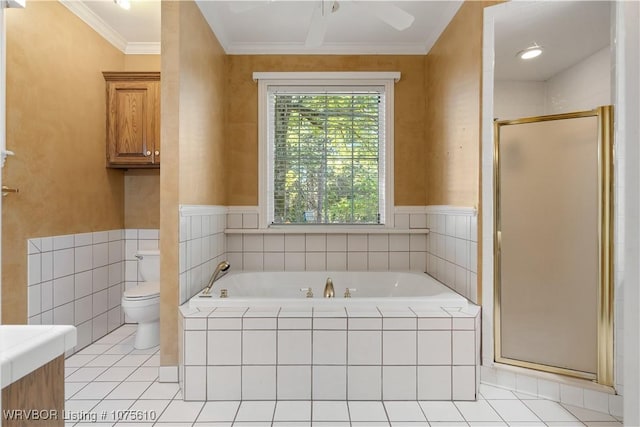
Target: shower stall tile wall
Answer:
pixel 453 248
pixel 202 246
pixel 78 279
pixel 266 250
pixel 287 353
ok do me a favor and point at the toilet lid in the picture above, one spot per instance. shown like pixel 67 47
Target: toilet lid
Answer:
pixel 144 290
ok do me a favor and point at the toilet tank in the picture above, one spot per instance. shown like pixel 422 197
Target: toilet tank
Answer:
pixel 149 264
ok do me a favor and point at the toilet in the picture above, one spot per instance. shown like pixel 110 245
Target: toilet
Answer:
pixel 142 303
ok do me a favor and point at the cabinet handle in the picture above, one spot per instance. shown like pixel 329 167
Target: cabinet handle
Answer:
pixel 148 153
pixel 157 153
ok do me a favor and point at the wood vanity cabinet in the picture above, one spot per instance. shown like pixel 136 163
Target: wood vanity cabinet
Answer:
pixel 133 119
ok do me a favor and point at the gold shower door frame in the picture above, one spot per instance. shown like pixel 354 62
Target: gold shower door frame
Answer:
pixel 604 370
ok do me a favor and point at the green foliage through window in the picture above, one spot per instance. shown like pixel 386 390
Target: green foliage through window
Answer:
pixel 327 157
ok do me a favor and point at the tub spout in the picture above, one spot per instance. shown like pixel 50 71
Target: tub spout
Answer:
pixel 223 266
pixel 328 288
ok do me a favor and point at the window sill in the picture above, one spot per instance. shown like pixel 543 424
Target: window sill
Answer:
pixel 325 230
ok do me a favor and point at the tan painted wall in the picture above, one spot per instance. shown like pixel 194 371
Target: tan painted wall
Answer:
pixel 56 126
pixel 142 198
pixel 142 63
pixel 193 169
pixel 142 187
pixel 242 117
pixel 453 84
pixel 453 81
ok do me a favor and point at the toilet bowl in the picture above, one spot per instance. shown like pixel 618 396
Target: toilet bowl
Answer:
pixel 141 304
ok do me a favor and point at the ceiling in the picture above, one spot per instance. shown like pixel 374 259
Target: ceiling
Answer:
pixel 132 31
pixel 569 31
pixel 276 26
pixel 281 26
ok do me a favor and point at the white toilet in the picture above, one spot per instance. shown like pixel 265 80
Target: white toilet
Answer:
pixel 142 303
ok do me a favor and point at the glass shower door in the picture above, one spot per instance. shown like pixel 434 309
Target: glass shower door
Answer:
pixel 552 249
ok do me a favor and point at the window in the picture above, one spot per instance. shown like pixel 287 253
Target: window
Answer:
pixel 325 150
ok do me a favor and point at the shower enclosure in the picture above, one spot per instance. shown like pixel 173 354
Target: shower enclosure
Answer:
pixel 553 260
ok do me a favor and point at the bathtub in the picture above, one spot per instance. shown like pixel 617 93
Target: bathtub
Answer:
pixel 367 288
pixel 401 336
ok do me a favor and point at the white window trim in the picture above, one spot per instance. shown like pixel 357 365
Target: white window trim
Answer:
pixel 386 79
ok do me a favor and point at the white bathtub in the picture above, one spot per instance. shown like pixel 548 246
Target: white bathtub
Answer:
pixel 405 289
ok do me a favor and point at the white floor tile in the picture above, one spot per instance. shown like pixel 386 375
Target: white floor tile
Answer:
pixel 547 410
pixel 92 424
pixel 603 424
pixel 79 360
pixel 85 374
pixel 512 410
pixel 68 370
pixel 214 424
pixel 291 410
pixel 291 424
pixel 218 411
pixel 161 391
pixel 77 407
pixel 487 424
pixel 72 388
pixel 370 424
pixel 150 409
pixel 331 424
pixel 116 373
pixel 129 390
pixel 367 411
pixel 120 349
pixel 256 411
pixel 132 360
pixel 112 410
pixel 446 424
pixel 588 415
pixel 330 411
pixel 490 392
pixel 179 411
pixel 143 374
pixel 564 424
pixel 252 424
pixel 404 411
pixel 478 411
pixel 414 424
pixel 441 411
pixel 152 361
pixel 96 390
pixel 95 349
pixel 105 360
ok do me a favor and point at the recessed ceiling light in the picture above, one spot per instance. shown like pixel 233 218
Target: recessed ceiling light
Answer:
pixel 530 52
pixel 125 4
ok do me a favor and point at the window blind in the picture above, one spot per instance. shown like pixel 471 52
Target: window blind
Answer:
pixel 326 148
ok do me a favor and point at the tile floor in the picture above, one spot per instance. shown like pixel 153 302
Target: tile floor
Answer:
pixel 111 376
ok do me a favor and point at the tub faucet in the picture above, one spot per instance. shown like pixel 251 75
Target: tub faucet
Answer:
pixel 328 288
pixel 223 266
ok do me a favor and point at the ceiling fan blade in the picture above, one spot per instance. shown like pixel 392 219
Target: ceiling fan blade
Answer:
pixel 388 13
pixel 317 28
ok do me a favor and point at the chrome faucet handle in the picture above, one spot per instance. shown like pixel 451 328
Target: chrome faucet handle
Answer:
pixel 309 292
pixel 347 292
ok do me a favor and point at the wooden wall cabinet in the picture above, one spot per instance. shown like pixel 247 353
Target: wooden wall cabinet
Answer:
pixel 133 119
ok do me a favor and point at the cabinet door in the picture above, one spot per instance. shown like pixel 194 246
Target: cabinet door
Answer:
pixel 132 122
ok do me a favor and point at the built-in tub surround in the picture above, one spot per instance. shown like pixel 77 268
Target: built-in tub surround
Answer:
pixel 403 247
pixel 202 246
pixel 452 248
pixel 330 349
pixel 78 279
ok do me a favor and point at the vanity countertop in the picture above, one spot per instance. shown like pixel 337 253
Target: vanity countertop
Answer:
pixel 25 348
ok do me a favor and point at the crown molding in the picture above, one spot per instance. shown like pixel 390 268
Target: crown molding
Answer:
pixel 143 48
pixel 325 49
pixel 107 32
pixel 94 21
